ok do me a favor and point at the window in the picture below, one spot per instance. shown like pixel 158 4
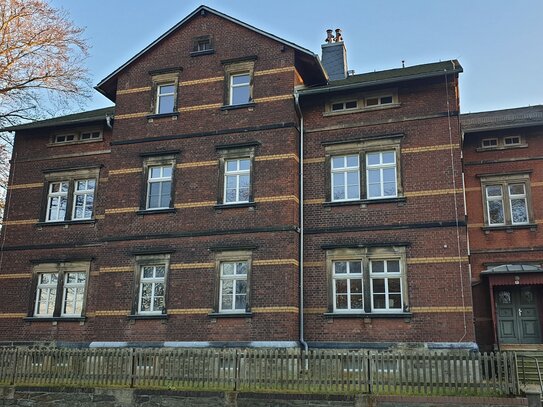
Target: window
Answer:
pixel 165 102
pixel 239 79
pixel 233 290
pixel 202 45
pixel 233 282
pixel 60 289
pixel 381 174
pixel 70 195
pixel 386 285
pixel 338 106
pixel 363 102
pixel 78 136
pixel 236 165
pixel 159 187
pixel 165 90
pixel 379 100
pixel 345 177
pixel 159 181
pixel 511 141
pixel 367 280
pixel 489 142
pixel 363 170
pixel 152 289
pixel 151 273
pixel 506 200
pixel 348 293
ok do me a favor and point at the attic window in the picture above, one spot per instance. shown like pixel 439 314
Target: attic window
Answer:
pixel 511 141
pixel 202 46
pixel 64 138
pixel 351 104
pixel 489 142
pixel 379 100
pixel 77 137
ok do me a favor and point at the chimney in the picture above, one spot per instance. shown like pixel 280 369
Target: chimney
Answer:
pixel 334 56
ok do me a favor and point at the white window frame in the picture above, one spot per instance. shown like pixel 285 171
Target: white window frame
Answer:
pixel 343 105
pixel 49 287
pixel 61 196
pixel 519 142
pixel 379 100
pixel 522 196
pixel 385 275
pixel 233 87
pixel 92 135
pixel 345 170
pixel 77 287
pixel 161 180
pixel 381 166
pixel 348 276
pixel 234 278
pixel 153 281
pixel 488 140
pixel 237 173
pixel 160 96
pixel 85 193
pixel 495 199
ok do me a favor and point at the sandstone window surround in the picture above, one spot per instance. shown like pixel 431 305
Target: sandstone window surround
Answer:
pixel 507 200
pixel 239 78
pixel 367 281
pixel 70 195
pixel 364 170
pixel 151 272
pixel 165 93
pixel 158 183
pixel 59 290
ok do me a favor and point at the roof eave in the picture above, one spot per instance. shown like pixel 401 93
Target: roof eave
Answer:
pixel 359 85
pixel 36 125
pixel 501 127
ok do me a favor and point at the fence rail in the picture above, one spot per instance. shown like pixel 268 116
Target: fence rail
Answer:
pixel 265 370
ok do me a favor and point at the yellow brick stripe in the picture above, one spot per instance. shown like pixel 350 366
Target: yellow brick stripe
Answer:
pixel 99 217
pixel 537 184
pixel 274 71
pixel 273 98
pixel 278 198
pixel 121 210
pixel 197 164
pixel 435 260
pixel 271 310
pixel 276 262
pixel 9 315
pixel 17 275
pixel 125 171
pixel 441 309
pixel 190 311
pixel 120 269
pixel 25 186
pixel 432 192
pixel 316 160
pixel 111 313
pixel 476 225
pixel 473 189
pixel 314 310
pixel 131 115
pixel 200 107
pixel 195 204
pixel 133 90
pixel 202 81
pixel 20 222
pixel 277 157
pixel 190 266
pixel 429 148
pixel 314 201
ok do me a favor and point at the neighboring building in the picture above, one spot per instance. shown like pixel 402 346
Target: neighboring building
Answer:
pixel 503 179
pixel 175 219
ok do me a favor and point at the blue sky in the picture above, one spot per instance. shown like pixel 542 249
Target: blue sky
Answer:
pixel 498 42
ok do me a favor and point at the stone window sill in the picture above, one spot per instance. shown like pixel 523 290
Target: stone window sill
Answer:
pixel 199 53
pixel 234 107
pixel 364 202
pixel 362 109
pixel 368 315
pixel 67 223
pixel 510 228
pixel 150 316
pixel 162 115
pixel 235 205
pixel 230 314
pixel 55 319
pixel 155 211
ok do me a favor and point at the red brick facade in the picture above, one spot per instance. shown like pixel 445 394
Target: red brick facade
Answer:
pixel 420 226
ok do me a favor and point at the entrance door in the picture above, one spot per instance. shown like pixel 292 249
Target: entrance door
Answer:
pixel 518 319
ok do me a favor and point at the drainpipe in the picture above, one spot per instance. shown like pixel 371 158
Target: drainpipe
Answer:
pixel 303 343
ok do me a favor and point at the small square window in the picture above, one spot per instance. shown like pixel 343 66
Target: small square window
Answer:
pixel 489 142
pixel 203 44
pixel 90 135
pixel 511 141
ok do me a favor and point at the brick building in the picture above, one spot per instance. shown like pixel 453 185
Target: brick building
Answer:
pixel 503 179
pixel 180 217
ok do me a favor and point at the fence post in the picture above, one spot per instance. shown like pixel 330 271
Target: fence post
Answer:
pixel 14 374
pixel 132 367
pixel 237 367
pixel 368 374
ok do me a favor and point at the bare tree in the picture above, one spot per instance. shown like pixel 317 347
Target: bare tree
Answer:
pixel 42 58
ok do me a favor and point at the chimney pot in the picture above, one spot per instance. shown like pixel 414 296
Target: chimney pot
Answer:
pixel 329 36
pixel 339 37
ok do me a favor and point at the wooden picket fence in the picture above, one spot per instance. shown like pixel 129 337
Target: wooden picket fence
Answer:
pixel 265 370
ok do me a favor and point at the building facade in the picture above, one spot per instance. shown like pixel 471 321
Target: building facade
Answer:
pixel 242 193
pixel 503 176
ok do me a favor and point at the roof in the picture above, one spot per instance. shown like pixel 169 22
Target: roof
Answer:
pixel 513 269
pixel 388 76
pixel 305 51
pixel 502 119
pixel 71 119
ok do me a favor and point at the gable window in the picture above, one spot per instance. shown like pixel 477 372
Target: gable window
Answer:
pixel 239 81
pixel 236 165
pixel 506 200
pixel 65 138
pixel 338 106
pixel 379 100
pixel 489 142
pixel 77 137
pixel 362 102
pixel 159 187
pixel 511 141
pixel 233 282
pixel 60 289
pixel 70 195
pixel 165 102
pixel 345 177
pixel 363 170
pixel 500 143
pixel 202 45
pixel 158 183
pixel 381 174
pixel 90 135
pixel 151 273
pixel 367 280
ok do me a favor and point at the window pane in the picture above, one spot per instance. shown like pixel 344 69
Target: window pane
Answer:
pixel 230 195
pixel 165 104
pixel 386 99
pixel 395 301
pixel 372 102
pixel 244 194
pixel 394 286
pixel 379 301
pixel 374 176
pixel 516 189
pixel 166 89
pixel 495 209
pixel 494 190
pixel 148 272
pixel 231 181
pixel 155 172
pixel 518 211
pixel 356 286
pixel 355 267
pixel 389 175
pixel 167 172
pixel 226 302
pixel 241 268
pixel 244 164
pixel 377 266
pixel 241 302
pixel 159 290
pixel 341 286
pixel 338 193
pixel 393 266
pixel 373 158
pixel 240 79
pixel 389 189
pixel 337 106
pixel 353 192
pixel 232 165
pixel 352 161
pixel 389 157
pixel 244 181
pixel 241 286
pixel 352 178
pixel 228 269
pixel 351 105
pixel 341 301
pixel 241 95
pixel 338 162
pixel 357 301
pixel 338 179
pixel 378 285
pixel 158 304
pixel 160 271
pixel 340 267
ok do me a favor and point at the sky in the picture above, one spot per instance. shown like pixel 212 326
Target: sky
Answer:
pixel 498 42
